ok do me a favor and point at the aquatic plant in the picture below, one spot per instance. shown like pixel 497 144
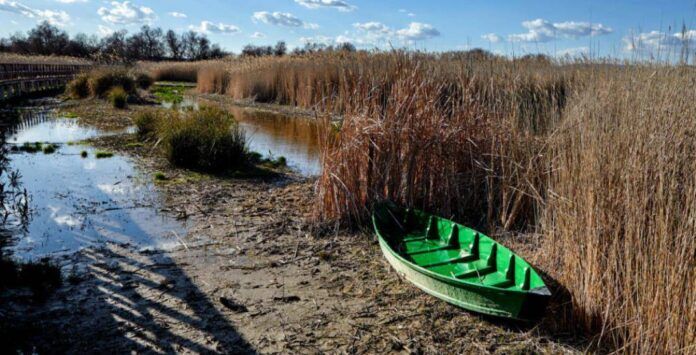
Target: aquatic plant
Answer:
pixel 50 148
pixel 100 154
pixel 118 97
pixel 31 147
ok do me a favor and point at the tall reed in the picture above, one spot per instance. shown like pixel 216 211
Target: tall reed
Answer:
pixel 597 157
pixel 621 222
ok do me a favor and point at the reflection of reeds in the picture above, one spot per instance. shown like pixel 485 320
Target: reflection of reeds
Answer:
pixel 597 157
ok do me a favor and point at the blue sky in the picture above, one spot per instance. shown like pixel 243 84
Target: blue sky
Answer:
pixel 615 28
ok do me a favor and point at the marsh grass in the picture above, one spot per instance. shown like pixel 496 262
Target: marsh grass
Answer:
pixel 208 139
pixel 598 157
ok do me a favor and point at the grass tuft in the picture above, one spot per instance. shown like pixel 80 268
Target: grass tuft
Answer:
pixel 118 97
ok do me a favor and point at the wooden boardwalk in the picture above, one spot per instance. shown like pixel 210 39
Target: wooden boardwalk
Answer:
pixel 17 80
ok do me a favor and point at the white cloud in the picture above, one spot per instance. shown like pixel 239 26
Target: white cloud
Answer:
pixel 125 13
pixel 409 14
pixel 282 19
pixel 417 31
pixel 372 27
pixel 70 1
pixel 654 41
pixel 540 30
pixel 258 35
pixel 105 31
pixel 177 14
pixel 58 18
pixel 337 4
pixel 492 37
pixel 219 28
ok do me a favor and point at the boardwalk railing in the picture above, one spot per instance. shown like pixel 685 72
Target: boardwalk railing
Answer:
pixel 17 80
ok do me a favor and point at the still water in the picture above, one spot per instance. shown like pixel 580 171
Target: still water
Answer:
pixel 278 135
pixel 274 135
pixel 81 202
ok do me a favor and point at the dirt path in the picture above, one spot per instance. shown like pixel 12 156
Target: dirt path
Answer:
pixel 251 276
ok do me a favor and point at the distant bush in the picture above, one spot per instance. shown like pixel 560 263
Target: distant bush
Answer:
pixel 102 80
pixel 208 140
pixel 118 97
pixel 78 88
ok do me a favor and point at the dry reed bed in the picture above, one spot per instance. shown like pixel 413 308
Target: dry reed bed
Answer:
pixel 11 58
pixel 174 71
pixel 599 158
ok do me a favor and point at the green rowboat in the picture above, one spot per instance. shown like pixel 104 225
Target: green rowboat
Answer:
pixel 458 264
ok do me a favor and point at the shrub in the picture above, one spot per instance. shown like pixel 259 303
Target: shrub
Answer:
pixel 78 88
pixel 207 140
pixel 118 97
pixel 143 80
pixel 102 80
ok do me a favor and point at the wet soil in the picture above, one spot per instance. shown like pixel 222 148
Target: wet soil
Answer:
pixel 252 275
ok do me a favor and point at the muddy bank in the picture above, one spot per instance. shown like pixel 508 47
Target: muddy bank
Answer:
pixel 252 275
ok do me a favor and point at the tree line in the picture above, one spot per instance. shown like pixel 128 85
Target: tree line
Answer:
pixel 150 43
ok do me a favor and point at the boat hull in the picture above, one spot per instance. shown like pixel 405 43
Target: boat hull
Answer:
pixel 472 298
pixel 499 302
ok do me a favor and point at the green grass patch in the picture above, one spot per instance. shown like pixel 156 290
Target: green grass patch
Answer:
pixel 169 93
pixel 103 154
pixel 70 115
